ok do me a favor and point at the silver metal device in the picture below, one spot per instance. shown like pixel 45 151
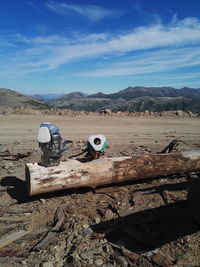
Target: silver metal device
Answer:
pixel 51 144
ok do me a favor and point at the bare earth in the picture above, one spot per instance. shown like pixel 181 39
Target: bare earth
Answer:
pixel 154 223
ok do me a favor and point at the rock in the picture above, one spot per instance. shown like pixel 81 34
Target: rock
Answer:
pixel 90 262
pixel 193 175
pixel 98 262
pixel 191 114
pixel 131 255
pixel 70 238
pixel 109 215
pixel 86 255
pixel 88 231
pixel 3 149
pixel 106 248
pixel 161 260
pixel 144 262
pixel 97 219
pixel 106 111
pixel 168 197
pixel 121 261
pixel 47 264
pixel 85 226
pixel 23 261
pixel 179 113
pixel 8 165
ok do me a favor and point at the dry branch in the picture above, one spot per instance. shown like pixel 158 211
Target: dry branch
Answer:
pixel 15 157
pixel 75 174
pixel 5 241
pixel 170 147
pixel 50 236
pixel 12 220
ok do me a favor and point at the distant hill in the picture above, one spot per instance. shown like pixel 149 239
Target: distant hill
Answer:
pixel 130 99
pixel 79 101
pixel 46 97
pixel 139 91
pixel 13 99
pixel 133 99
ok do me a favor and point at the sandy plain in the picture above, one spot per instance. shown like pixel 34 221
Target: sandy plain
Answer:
pixel 120 131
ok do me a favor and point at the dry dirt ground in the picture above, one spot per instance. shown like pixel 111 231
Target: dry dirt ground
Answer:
pixel 150 223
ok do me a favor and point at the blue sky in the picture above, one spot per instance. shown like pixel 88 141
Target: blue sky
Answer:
pixel 90 46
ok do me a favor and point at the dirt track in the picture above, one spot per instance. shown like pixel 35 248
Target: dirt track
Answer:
pixel 165 230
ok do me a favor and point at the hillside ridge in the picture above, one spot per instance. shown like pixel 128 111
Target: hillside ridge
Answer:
pixel 134 99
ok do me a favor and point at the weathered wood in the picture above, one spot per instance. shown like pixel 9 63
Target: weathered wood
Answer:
pixel 74 173
pixel 169 148
pixel 12 219
pixel 5 241
pixel 49 237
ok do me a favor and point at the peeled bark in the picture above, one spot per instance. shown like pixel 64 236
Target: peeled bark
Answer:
pixel 76 173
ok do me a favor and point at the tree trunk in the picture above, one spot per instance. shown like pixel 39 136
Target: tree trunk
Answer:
pixel 76 173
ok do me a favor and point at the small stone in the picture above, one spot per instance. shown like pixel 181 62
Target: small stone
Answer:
pixel 8 165
pixel 161 260
pixel 46 264
pixel 90 261
pixel 97 220
pixel 109 214
pixel 86 255
pixel 193 175
pixel 88 231
pixel 42 200
pixel 3 149
pixel 85 226
pixel 121 261
pixel 98 262
pixel 23 262
pixel 70 238
pixel 106 249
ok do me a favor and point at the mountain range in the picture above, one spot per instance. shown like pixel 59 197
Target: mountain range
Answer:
pixel 133 99
pixel 136 98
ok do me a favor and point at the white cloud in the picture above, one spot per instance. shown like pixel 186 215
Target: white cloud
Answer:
pixel 91 12
pixel 150 62
pixel 44 53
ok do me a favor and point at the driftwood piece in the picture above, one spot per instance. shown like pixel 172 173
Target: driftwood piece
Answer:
pixel 170 147
pixel 4 229
pixel 5 241
pixel 15 157
pixel 12 219
pixel 74 173
pixel 49 237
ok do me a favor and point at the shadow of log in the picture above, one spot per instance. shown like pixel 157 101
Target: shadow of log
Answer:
pixel 169 187
pixel 17 188
pixel 149 229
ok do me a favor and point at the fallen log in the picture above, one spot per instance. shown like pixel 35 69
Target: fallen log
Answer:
pixel 76 173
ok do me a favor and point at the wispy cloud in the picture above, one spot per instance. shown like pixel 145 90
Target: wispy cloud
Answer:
pixel 91 12
pixel 150 62
pixel 159 48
